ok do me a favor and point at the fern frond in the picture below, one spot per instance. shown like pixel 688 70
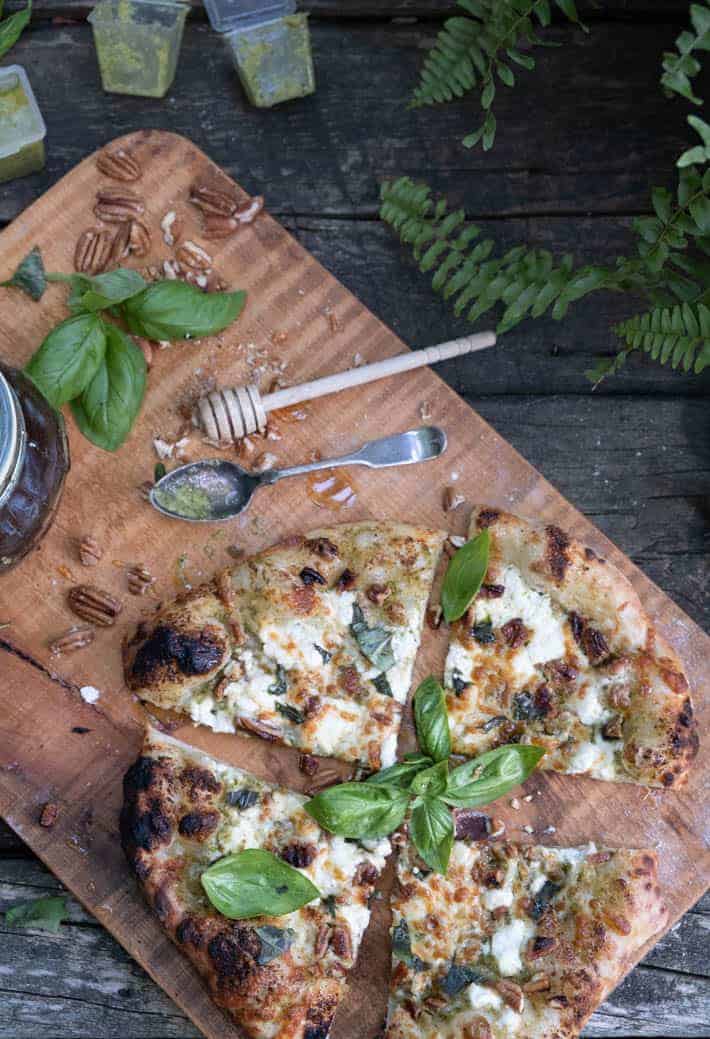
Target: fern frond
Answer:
pixel 523 281
pixel 700 154
pixel 677 335
pixel 472 51
pixel 680 66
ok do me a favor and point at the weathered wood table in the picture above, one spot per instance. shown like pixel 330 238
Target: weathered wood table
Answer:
pixel 580 143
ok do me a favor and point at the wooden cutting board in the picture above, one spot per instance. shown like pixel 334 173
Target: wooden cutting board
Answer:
pixel 299 322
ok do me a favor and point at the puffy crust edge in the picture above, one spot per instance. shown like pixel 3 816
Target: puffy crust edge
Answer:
pixel 584 583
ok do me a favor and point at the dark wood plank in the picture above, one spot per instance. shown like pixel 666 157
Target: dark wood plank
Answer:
pixel 587 142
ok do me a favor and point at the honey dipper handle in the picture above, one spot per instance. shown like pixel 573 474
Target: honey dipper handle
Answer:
pixel 379 370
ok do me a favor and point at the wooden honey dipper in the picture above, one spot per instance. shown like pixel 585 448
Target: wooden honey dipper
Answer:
pixel 229 414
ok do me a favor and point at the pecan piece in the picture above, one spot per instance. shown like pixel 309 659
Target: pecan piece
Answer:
pixel 171 226
pixel 139 579
pixel 94 605
pixel 325 777
pixel 366 873
pixel 322 547
pixel 346 581
pixel 216 226
pixel 322 941
pixel 539 946
pixel 515 633
pixel 538 983
pixel 434 617
pixel 211 200
pixel 194 256
pixel 119 165
pixel 451 499
pixel 512 994
pixel 341 942
pixel 90 552
pixel 120 244
pixel 92 250
pixel 248 212
pixel 491 591
pixel 118 205
pixel 73 639
pixel 257 729
pixel 49 815
pixel 139 239
pixel 299 855
pixel 477 1028
pixel 310 576
pixel 308 764
pixel 377 593
pixel 614 728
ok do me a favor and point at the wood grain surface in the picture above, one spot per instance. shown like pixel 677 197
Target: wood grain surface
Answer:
pixel 288 293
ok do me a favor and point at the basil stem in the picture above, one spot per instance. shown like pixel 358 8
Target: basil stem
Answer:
pixel 464 576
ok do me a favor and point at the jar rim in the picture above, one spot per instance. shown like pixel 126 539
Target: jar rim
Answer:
pixel 12 438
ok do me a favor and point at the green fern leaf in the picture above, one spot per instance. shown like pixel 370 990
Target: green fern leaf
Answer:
pixel 469 53
pixel 679 66
pixel 679 335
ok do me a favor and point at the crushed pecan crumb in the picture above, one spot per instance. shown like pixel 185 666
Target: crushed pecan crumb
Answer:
pixel 49 815
pixel 308 764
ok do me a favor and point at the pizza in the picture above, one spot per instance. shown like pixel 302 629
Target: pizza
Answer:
pixel 556 650
pixel 516 940
pixel 310 643
pixel 277 976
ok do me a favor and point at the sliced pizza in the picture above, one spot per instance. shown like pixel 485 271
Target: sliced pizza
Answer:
pixel 310 643
pixel 515 941
pixel 184 811
pixel 556 650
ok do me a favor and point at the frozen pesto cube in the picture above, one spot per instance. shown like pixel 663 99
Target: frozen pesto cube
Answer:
pixel 22 129
pixel 137 44
pixel 274 60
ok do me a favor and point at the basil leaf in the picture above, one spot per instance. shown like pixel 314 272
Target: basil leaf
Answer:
pixel 375 643
pixel 107 408
pixel 107 290
pixel 242 799
pixel 46 914
pixel 464 576
pixel 175 310
pixel 279 686
pixel 402 946
pixel 361 810
pixel 255 882
pixel 432 720
pixel 381 684
pixel 159 471
pixel 491 775
pixel 275 941
pixel 292 713
pixel 11 29
pixel 401 774
pixel 432 781
pixel 68 359
pixel 458 977
pixel 30 276
pixel 431 828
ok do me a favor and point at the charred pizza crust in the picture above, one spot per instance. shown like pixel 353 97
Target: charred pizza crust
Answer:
pixel 271 648
pixel 516 942
pixel 557 650
pixel 277 976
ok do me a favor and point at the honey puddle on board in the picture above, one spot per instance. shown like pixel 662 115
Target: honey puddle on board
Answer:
pixel 331 489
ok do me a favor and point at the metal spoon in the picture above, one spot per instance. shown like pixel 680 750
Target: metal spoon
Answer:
pixel 214 489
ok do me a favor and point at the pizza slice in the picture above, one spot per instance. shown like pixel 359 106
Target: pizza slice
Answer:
pixel 276 975
pixel 310 643
pixel 556 650
pixel 516 941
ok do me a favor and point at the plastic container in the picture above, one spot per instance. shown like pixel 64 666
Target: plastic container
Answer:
pixel 270 46
pixel 22 129
pixel 137 44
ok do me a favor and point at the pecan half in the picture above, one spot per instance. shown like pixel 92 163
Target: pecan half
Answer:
pixel 90 552
pixel 120 247
pixel 119 165
pixel 73 639
pixel 139 240
pixel 139 579
pixel 194 256
pixel 216 226
pixel 118 205
pixel 94 605
pixel 93 250
pixel 211 200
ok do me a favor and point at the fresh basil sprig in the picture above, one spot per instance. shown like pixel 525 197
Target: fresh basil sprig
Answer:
pixel 423 784
pixel 432 719
pixel 89 361
pixel 255 883
pixel 11 28
pixel 464 576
